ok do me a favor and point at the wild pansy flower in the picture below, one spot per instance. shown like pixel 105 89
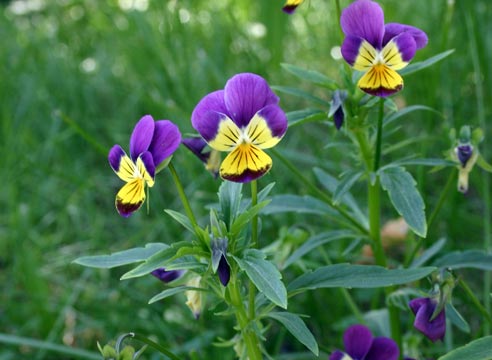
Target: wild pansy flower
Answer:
pixel 210 158
pixel 291 5
pixel 361 345
pixel 167 275
pixel 376 48
pixel 243 120
pixel 152 144
pixel 433 326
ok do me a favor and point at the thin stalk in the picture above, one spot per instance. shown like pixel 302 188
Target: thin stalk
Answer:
pixel 485 313
pixel 254 244
pixel 322 195
pixel 247 332
pixel 154 345
pixel 379 136
pixel 182 196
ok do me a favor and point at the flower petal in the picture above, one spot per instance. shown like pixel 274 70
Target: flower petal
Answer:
pixel 167 276
pixel 357 340
pixel 196 146
pixel 224 271
pixel 165 141
pixel 130 197
pixel 228 136
pixel 121 164
pixel 364 19
pixel 359 53
pixel 208 113
pixel 393 29
pixel 381 81
pixel 246 163
pixel 246 94
pixel 141 136
pixel 291 5
pixel 423 308
pixel 383 348
pixel 146 168
pixel 267 127
pixel 338 355
pixel 399 51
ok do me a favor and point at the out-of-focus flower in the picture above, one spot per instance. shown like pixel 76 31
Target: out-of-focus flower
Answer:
pixel 361 345
pixel 243 119
pixel 376 48
pixel 194 297
pixel 432 325
pixel 336 107
pixel 210 158
pixel 219 260
pixel 152 144
pixel 167 276
pixel 291 5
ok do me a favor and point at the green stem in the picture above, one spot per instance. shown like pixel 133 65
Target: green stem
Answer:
pixel 321 194
pixel 379 136
pixel 182 196
pixel 485 313
pixel 247 332
pixel 151 343
pixel 254 244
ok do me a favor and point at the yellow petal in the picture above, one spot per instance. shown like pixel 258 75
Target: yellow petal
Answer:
pixel 392 56
pixel 127 169
pixel 381 80
pixel 144 173
pixel 130 197
pixel 259 133
pixel 228 136
pixel 247 162
pixel 366 57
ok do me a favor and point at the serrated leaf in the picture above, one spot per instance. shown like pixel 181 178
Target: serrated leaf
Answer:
pixel 346 182
pixel 417 66
pixel 404 196
pixel 476 259
pixel 172 291
pixel 357 276
pixel 264 275
pixel 480 349
pixel 182 219
pixel 296 326
pixel 302 94
pixel 121 257
pixel 310 75
pixel 407 110
pixel 299 204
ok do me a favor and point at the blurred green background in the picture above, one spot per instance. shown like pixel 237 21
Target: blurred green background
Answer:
pixel 76 75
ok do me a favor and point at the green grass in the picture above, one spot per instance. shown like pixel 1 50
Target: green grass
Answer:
pixel 75 77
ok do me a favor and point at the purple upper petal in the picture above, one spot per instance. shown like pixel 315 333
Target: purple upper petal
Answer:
pixel 364 19
pixel 394 29
pixel 337 355
pixel 165 141
pixel 114 157
pixel 196 145
pixel 141 136
pixel 406 45
pixel 357 340
pixel 423 308
pixel 207 114
pixel 275 118
pixel 246 94
pixel 148 162
pixel 383 348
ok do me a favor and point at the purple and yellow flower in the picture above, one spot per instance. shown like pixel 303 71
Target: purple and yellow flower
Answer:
pixel 243 119
pixel 291 5
pixel 376 48
pixel 152 144
pixel 361 345
pixel 210 158
pixel 167 275
pixel 432 325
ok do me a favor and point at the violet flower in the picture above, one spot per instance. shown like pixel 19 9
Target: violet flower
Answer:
pixel 424 309
pixel 376 48
pixel 361 345
pixel 211 158
pixel 167 275
pixel 243 120
pixel 152 144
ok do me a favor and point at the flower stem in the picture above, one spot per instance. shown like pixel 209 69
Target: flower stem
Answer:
pixel 149 342
pixel 476 302
pixel 183 196
pixel 254 244
pixel 247 331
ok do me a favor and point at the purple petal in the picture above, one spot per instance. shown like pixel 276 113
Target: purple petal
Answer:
pixel 275 119
pixel 246 94
pixel 208 113
pixel 393 29
pixel 423 308
pixel 114 157
pixel 337 355
pixel 406 46
pixel 165 141
pixel 383 348
pixel 464 153
pixel 289 9
pixel 350 48
pixel 357 340
pixel 141 136
pixel 148 162
pixel 196 146
pixel 338 117
pixel 224 271
pixel 167 276
pixel 364 19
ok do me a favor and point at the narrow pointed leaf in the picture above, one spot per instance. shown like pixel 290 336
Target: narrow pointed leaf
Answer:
pixel 428 253
pixel 417 66
pixel 299 204
pixel 407 110
pixel 310 75
pixel 479 349
pixel 182 219
pixel 304 116
pixel 172 291
pixel 302 94
pixel 346 182
pixel 475 259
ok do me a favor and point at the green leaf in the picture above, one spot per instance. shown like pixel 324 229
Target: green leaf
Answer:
pixel 122 257
pixel 304 116
pixel 294 324
pixel 405 197
pixel 182 219
pixel 423 162
pixel 357 276
pixel 346 182
pixel 316 241
pixel 484 164
pixel 245 218
pixel 429 253
pixel 300 204
pixel 230 200
pixel 407 110
pixel 172 291
pixel 264 275
pixel 417 66
pixel 310 75
pixel 479 349
pixel 456 319
pixel 302 94
pixel 476 259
